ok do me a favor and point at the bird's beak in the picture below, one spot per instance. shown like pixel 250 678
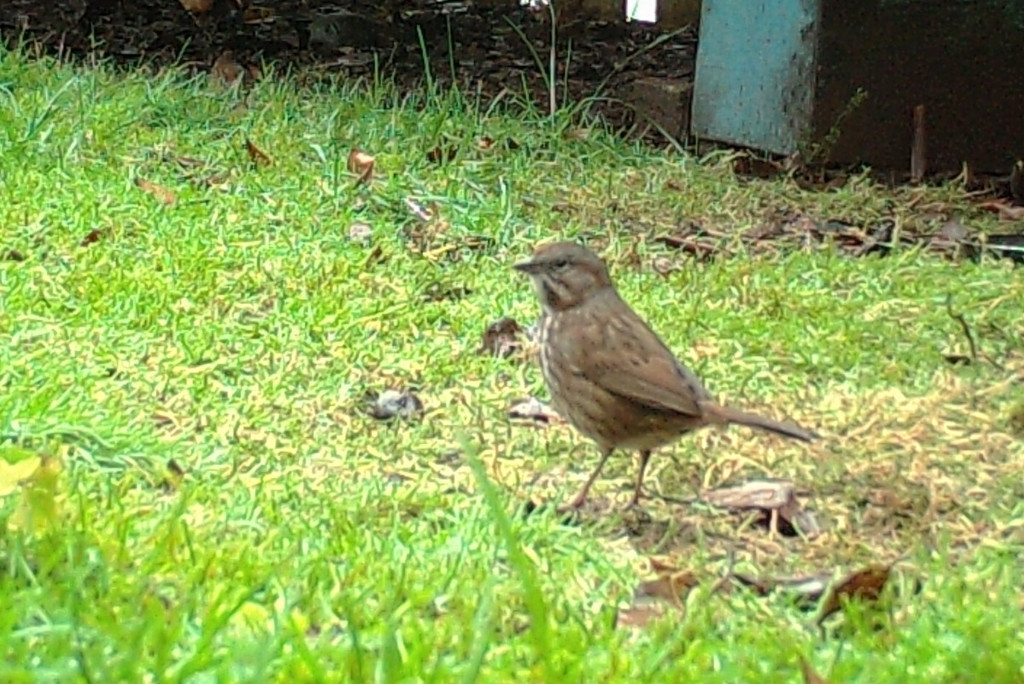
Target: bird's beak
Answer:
pixel 526 267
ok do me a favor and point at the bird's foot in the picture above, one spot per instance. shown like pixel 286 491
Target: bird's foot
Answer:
pixel 572 507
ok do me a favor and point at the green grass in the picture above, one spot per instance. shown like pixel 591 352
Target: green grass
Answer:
pixel 238 332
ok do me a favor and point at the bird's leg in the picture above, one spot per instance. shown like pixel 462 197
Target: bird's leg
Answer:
pixel 580 499
pixel 645 456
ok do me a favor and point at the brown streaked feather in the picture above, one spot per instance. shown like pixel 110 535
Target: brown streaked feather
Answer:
pixel 625 357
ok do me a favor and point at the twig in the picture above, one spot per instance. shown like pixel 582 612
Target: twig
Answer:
pixel 959 318
pixel 918 149
pixel 553 62
pixel 727 574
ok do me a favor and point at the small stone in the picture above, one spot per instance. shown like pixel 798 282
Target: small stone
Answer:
pixel 390 404
pixel 360 232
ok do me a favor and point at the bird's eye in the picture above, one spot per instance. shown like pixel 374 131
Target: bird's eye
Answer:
pixel 561 264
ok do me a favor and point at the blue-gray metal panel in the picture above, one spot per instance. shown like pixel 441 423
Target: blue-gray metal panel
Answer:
pixel 754 79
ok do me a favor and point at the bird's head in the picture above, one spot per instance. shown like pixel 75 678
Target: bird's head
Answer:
pixel 565 274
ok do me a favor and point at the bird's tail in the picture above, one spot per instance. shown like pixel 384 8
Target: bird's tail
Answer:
pixel 724 414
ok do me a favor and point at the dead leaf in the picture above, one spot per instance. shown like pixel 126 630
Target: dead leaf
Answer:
pixel 1006 211
pixel 197 6
pixel 14 475
pixel 810 676
pixel 165 419
pixel 777 498
pixel 691 239
pixel 360 232
pixel 418 210
pixel 661 566
pixel 376 256
pixel 439 292
pixel 672 587
pixel 258 14
pixel 748 165
pixel 258 156
pixel 534 411
pixel 439 154
pixel 162 194
pixel 576 133
pixel 361 164
pixel 93 236
pixel 639 615
pixel 866 584
pixel 664 266
pixel 501 338
pixel 652 598
pixel 226 70
pixel 172 477
pixel 38 510
pixel 188 162
pixel 485 143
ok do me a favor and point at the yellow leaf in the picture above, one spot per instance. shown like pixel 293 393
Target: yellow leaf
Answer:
pixel 14 474
pixel 37 512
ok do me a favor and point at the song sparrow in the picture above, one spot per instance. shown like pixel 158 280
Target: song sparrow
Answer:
pixel 608 373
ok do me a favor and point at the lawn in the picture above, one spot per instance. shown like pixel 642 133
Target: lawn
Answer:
pixel 191 335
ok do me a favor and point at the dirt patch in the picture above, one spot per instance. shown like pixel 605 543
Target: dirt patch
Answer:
pixel 486 50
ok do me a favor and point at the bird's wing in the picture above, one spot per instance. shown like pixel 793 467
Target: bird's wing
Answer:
pixel 625 357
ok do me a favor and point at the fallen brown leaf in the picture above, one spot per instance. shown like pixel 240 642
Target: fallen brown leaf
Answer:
pixel 652 598
pixel 439 154
pixel 226 70
pixel 93 236
pixel 197 6
pixel 671 587
pixel 258 15
pixel 501 338
pixel 664 266
pixel 1006 211
pixel 748 165
pixel 810 676
pixel 866 584
pixel 258 156
pixel 162 194
pixel 576 133
pixel 361 164
pixel 638 616
pixel 777 498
